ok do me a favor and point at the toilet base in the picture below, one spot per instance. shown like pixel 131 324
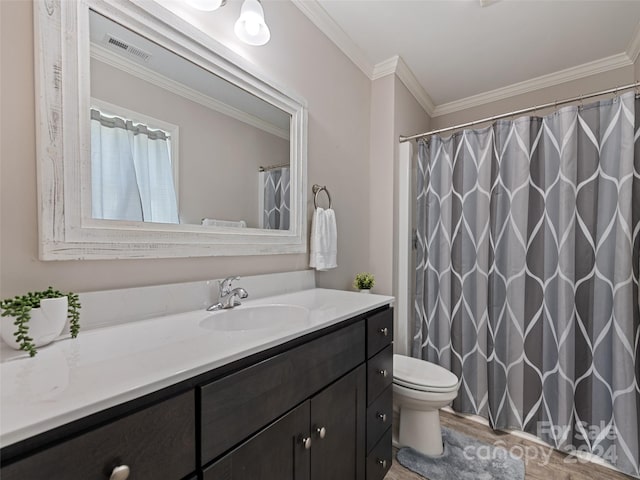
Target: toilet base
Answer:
pixel 421 431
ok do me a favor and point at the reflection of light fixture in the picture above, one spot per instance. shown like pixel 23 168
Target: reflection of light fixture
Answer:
pixel 207 5
pixel 251 27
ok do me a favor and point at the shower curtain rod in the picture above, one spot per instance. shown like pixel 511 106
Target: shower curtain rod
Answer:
pixel 403 138
pixel 272 167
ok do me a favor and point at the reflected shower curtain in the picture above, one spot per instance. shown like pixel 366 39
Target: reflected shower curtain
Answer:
pixel 276 199
pixel 527 274
pixel 131 172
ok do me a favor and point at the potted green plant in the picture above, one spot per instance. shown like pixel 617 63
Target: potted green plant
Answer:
pixel 37 318
pixel 364 282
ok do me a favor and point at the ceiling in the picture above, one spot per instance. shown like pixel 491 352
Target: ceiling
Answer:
pixel 454 54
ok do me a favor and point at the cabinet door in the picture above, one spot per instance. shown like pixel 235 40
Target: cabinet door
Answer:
pixel 277 452
pixel 155 443
pixel 338 429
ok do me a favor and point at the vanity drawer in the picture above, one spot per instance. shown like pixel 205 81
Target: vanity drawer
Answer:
pixel 379 373
pixel 379 331
pixel 379 417
pixel 157 442
pixel 236 406
pixel 380 458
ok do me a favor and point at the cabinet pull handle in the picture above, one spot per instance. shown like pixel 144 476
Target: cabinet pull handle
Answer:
pixel 384 331
pixel 383 372
pixel 305 442
pixel 121 472
pixel 321 432
pixel 381 416
pixel 382 463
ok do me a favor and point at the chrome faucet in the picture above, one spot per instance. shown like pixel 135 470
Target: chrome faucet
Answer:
pixel 228 297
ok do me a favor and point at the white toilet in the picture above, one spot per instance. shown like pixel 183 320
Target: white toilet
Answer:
pixel 420 389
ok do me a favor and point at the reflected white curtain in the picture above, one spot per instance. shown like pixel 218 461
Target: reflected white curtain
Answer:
pixel 131 172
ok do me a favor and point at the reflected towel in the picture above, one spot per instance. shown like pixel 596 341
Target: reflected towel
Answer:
pixel 324 240
pixel 211 222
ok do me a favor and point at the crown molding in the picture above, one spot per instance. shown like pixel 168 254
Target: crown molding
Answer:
pixel 396 65
pixel 386 67
pixel 574 73
pixel 112 59
pixel 633 49
pixel 327 25
pixel 405 74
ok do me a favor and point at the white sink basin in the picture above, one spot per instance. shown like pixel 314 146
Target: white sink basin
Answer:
pixel 258 317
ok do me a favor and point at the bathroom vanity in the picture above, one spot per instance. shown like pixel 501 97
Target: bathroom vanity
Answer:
pixel 313 402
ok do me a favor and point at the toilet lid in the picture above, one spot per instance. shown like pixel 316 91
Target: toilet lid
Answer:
pixel 421 375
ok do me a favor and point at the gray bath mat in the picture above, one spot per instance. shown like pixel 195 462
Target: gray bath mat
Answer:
pixel 464 458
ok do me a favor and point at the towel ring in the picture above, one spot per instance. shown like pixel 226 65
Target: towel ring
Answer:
pixel 316 190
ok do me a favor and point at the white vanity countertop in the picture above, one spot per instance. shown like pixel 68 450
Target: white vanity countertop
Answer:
pixel 104 367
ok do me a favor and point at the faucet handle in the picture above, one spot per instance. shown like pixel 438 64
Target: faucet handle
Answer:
pixel 225 285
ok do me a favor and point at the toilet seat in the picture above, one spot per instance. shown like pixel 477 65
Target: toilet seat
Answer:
pixel 421 375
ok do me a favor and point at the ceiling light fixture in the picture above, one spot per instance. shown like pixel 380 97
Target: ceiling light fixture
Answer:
pixel 207 5
pixel 250 26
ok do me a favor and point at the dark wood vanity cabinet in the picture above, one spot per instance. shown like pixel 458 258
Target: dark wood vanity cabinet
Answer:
pixel 379 393
pixel 157 443
pixel 328 443
pixel 320 439
pixel 317 409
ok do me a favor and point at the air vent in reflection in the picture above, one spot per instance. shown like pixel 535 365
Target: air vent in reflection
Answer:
pixel 122 46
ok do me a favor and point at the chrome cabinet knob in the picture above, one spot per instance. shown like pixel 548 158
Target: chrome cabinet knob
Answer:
pixel 384 331
pixel 382 463
pixel 121 472
pixel 381 416
pixel 383 372
pixel 321 432
pixel 305 442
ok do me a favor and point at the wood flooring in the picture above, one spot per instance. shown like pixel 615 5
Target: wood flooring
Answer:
pixel 559 467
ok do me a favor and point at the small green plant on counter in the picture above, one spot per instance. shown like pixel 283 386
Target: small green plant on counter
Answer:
pixel 20 308
pixel 364 281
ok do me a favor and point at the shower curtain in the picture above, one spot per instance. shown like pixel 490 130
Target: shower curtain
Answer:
pixel 131 172
pixel 527 274
pixel 275 213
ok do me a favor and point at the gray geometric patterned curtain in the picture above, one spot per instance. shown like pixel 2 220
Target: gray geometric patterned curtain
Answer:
pixel 276 199
pixel 527 274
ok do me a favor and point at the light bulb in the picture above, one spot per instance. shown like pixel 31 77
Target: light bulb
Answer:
pixel 206 5
pixel 250 26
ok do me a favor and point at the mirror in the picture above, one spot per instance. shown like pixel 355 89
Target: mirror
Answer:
pixel 157 142
pixel 174 143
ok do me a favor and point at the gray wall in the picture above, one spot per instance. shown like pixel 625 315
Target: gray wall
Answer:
pixel 298 56
pixel 394 111
pixel 353 129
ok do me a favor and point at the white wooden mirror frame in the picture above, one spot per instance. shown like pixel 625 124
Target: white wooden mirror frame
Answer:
pixel 66 228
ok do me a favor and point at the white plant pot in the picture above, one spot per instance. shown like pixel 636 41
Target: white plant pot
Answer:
pixel 45 325
pixel 365 290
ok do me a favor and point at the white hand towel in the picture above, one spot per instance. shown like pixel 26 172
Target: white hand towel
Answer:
pixel 324 240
